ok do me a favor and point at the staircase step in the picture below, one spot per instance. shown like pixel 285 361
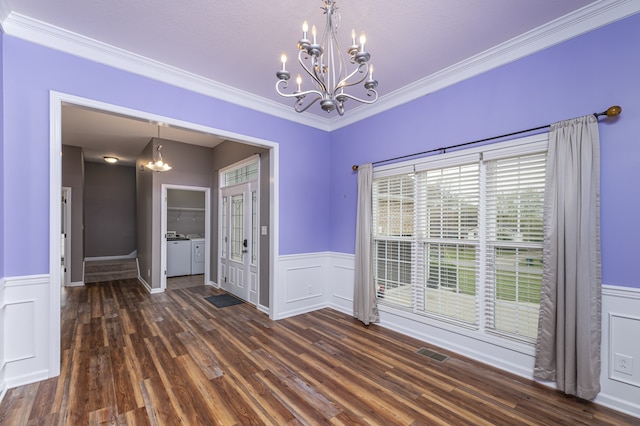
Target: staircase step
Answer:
pixel 110 270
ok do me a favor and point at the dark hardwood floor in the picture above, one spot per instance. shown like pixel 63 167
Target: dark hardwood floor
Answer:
pixel 136 359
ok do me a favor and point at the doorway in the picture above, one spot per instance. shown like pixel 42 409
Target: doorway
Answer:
pixel 186 231
pixel 57 100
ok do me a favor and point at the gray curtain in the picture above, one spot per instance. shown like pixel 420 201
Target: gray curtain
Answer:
pixel 569 331
pixel 365 307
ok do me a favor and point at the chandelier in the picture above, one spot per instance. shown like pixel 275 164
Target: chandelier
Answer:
pixel 325 64
pixel 157 164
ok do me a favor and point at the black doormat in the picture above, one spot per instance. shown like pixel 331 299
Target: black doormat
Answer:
pixel 223 300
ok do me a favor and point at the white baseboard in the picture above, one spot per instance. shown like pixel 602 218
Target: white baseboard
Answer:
pixel 148 287
pixel 75 284
pixel 302 310
pixel 26 379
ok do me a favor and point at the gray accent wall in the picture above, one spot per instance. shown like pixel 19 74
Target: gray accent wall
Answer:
pixel 224 155
pixel 73 177
pixel 109 210
pixel 185 211
pixel 144 211
pixel 191 166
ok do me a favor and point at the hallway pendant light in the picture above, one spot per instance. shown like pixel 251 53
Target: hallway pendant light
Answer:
pixel 157 164
pixel 325 64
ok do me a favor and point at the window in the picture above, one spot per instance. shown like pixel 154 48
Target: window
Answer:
pixel 458 238
pixel 241 174
pixel 515 200
pixel 393 232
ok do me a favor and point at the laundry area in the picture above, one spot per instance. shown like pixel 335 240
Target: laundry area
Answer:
pixel 186 240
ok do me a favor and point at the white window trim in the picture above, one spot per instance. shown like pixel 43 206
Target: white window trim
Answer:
pixel 515 147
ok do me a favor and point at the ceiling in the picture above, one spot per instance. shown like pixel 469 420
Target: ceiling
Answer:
pixel 102 134
pixel 238 43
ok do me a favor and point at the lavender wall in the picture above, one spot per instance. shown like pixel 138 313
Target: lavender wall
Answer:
pixel 31 71
pixel 584 75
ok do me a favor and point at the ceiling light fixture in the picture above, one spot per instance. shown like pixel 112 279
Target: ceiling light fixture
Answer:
pixel 157 164
pixel 110 159
pixel 326 66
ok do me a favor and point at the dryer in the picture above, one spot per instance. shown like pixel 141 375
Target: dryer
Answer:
pixel 197 256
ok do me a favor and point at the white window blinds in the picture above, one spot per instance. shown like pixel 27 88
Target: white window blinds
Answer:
pixel 459 239
pixel 393 217
pixel 514 237
pixel 447 244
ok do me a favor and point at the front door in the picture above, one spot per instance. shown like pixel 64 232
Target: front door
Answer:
pixel 238 251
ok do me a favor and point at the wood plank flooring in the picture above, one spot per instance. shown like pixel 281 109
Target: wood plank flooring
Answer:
pixel 131 358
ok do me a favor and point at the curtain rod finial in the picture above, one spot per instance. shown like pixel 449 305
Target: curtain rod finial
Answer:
pixel 354 167
pixel 613 111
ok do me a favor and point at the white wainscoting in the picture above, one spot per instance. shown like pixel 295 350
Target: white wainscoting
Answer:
pixel 620 334
pixel 24 321
pixel 318 280
pixel 312 281
pixel 302 284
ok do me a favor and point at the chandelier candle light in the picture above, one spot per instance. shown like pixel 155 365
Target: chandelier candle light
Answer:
pixel 326 66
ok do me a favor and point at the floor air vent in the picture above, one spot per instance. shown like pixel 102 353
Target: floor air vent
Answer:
pixel 431 354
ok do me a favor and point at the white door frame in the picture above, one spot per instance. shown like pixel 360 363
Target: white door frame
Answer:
pixel 56 99
pixel 255 185
pixel 163 230
pixel 66 194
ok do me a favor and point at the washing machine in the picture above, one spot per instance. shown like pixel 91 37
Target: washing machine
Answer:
pixel 178 256
pixel 197 256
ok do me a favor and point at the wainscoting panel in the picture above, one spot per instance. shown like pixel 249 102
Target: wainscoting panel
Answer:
pixel 25 329
pixel 341 276
pixel 21 331
pixel 620 335
pixel 302 285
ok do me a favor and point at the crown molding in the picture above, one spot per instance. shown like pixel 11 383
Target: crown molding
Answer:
pixel 588 18
pixel 57 38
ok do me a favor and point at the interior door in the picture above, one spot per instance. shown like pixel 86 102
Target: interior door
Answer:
pixel 237 240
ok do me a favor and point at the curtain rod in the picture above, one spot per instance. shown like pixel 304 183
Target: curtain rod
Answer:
pixel 613 111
